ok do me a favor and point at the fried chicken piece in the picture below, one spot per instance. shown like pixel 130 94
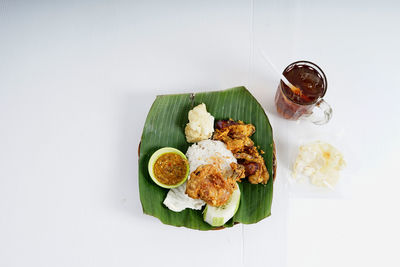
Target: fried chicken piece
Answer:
pixel 207 183
pixel 225 123
pixel 238 129
pixel 241 131
pixel 236 136
pixel 236 145
pixel 239 171
pixel 250 168
pixel 246 157
pixel 255 174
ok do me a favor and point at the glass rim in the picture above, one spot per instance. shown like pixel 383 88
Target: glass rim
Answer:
pixel 318 69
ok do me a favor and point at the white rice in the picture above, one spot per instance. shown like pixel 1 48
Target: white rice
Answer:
pixel 210 152
pixel 204 152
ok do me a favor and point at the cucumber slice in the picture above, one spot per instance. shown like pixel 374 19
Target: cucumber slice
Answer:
pixel 218 216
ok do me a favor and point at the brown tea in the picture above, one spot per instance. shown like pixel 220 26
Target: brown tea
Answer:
pixel 311 81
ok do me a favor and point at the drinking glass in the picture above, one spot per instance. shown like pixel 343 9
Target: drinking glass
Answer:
pixel 306 103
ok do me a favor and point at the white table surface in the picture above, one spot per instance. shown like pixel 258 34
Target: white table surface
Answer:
pixel 77 79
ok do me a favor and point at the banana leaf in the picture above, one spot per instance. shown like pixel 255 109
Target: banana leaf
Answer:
pixel 165 125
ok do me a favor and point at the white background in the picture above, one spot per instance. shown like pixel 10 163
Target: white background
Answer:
pixel 77 79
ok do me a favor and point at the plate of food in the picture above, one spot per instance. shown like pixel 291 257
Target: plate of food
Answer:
pixel 207 160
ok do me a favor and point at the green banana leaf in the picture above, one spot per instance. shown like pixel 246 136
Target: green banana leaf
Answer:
pixel 165 125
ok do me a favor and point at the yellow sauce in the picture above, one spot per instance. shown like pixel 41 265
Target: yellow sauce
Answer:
pixel 170 169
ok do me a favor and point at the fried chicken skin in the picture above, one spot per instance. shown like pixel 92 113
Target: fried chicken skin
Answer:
pixel 236 136
pixel 207 183
pixel 238 171
pixel 254 164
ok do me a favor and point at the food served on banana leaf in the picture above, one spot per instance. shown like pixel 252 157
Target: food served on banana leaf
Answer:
pixel 200 126
pixel 236 136
pixel 168 167
pixel 208 184
pixel 203 153
pixel 215 167
pixel 165 126
pixel 218 216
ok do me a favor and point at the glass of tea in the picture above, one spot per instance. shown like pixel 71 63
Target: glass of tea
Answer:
pixel 303 98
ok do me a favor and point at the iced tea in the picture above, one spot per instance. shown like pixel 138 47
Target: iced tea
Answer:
pixel 311 81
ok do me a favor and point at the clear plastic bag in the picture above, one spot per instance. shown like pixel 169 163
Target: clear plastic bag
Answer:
pixel 302 133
